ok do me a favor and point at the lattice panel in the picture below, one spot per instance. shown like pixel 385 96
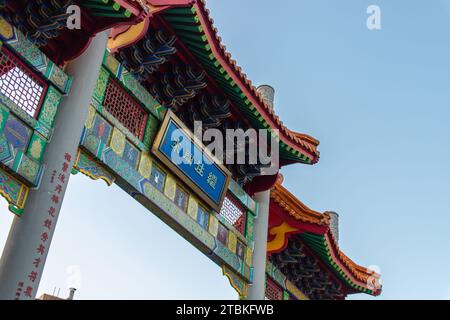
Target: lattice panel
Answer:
pixel 234 214
pixel 122 106
pixel 273 291
pixel 20 84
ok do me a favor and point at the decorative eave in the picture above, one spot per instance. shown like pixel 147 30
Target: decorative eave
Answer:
pixel 48 30
pixel 193 26
pixel 287 208
pixel 295 208
pixel 196 28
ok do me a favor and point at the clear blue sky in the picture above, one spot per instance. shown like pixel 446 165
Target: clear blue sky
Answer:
pixel 379 102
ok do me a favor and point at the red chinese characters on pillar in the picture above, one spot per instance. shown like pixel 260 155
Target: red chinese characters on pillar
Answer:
pixel 62 178
pixel 44 237
pixel 58 179
pixel 58 188
pixel 52 178
pixel 48 224
pixel 29 292
pixel 19 290
pixel 32 276
pixel 37 262
pixel 41 249
pixel 55 199
pixel 52 212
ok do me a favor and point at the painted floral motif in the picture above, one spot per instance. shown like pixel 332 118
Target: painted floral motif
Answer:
pixel 118 142
pixel 36 148
pixel 91 143
pixel 59 78
pixel 151 130
pixel 249 257
pixel 250 221
pixel 193 208
pixel 49 107
pixel 232 242
pixel 90 118
pixel 112 64
pixel 170 188
pixel 29 169
pixel 145 165
pixel 213 225
pixel 29 52
pixel 100 88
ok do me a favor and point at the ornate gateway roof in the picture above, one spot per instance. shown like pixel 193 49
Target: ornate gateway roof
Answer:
pixel 173 49
pixel 293 226
pixel 197 39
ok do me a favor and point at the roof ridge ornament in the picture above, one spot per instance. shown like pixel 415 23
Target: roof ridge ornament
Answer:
pixel 267 93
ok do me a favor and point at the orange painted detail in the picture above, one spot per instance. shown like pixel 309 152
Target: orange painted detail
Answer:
pixel 125 36
pixel 280 237
pixel 295 208
pixel 363 276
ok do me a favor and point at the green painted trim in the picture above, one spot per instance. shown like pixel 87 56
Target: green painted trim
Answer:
pixel 106 8
pixel 320 246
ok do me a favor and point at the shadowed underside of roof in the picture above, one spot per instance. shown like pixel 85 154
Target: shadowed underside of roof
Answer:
pixel 322 242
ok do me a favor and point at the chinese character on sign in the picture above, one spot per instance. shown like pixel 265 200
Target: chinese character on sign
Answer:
pixel 188 158
pixel 176 146
pixel 65 167
pixel 200 169
pixel 212 180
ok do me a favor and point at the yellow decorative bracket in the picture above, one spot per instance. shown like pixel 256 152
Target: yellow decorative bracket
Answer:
pixel 236 282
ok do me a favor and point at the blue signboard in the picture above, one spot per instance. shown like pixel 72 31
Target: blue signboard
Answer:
pixel 176 147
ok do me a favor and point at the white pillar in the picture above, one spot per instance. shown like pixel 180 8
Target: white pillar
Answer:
pixel 23 259
pixel 257 290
